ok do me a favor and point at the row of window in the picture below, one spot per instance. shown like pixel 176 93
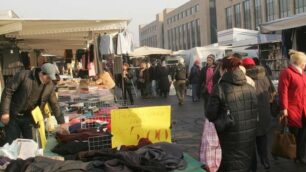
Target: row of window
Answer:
pixel 183 14
pixel 149 30
pixel 185 36
pixel 151 41
pixel 300 7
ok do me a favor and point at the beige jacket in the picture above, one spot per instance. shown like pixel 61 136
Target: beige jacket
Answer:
pixel 105 80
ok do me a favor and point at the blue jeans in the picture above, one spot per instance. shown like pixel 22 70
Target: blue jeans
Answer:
pixel 195 92
pixel 19 127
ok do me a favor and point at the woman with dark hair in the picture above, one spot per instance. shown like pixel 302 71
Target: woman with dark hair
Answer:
pixel 232 95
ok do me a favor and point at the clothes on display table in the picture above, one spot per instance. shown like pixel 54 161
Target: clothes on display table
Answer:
pixel 70 148
pixel 124 43
pixel 43 164
pixel 80 135
pixel 106 44
pixel 160 157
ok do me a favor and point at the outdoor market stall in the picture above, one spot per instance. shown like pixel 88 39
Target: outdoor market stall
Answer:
pixel 293 32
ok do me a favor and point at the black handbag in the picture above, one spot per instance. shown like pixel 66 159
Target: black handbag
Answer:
pixel 225 120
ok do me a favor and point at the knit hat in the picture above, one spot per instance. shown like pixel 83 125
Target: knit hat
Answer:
pixel 248 62
pixel 211 56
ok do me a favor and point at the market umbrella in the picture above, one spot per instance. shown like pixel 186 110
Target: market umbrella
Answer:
pixel 146 51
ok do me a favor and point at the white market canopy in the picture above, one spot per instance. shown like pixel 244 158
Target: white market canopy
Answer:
pixel 146 51
pixel 285 23
pixel 56 35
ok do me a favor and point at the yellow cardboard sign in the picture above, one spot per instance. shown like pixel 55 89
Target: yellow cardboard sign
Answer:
pixel 130 125
pixel 38 118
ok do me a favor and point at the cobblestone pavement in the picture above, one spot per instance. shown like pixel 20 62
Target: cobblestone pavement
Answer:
pixel 188 127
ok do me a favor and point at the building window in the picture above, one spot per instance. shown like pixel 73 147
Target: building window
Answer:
pixel 179 37
pixel 270 10
pixel 229 17
pixel 197 7
pixel 169 39
pixel 188 36
pixel 173 38
pixel 284 8
pixel 193 34
pixel 184 36
pixel 300 6
pixel 237 16
pixel 198 33
pixel 247 14
pixel 185 13
pixel 258 19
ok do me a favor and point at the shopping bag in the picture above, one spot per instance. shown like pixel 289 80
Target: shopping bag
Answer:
pixel 210 152
pixel 172 91
pixel 284 144
pixel 189 92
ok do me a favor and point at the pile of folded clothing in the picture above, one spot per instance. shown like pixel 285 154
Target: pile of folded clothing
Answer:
pixel 161 157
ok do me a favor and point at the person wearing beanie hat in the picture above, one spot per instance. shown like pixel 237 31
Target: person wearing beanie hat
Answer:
pixel 207 79
pixel 248 61
pixel 27 90
pixel 194 79
pixel 292 96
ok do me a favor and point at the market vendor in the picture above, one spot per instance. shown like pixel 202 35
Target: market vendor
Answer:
pixel 27 90
pixel 105 80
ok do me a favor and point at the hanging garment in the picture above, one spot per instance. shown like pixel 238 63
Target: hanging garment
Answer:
pixel 106 44
pixel 125 43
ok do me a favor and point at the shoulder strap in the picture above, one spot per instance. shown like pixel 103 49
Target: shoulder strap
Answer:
pixel 223 96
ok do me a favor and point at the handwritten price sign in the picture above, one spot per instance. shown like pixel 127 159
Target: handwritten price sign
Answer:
pixel 130 125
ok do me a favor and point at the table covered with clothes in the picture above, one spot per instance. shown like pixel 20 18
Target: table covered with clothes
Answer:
pixel 87 146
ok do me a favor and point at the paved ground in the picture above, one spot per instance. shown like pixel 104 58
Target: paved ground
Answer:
pixel 189 125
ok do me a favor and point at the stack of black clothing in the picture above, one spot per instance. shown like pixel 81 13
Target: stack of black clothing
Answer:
pixel 161 157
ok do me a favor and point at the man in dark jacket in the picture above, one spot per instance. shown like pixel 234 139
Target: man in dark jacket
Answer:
pixel 180 77
pixel 194 79
pixel 27 90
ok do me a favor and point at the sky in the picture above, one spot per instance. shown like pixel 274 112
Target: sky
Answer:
pixel 140 11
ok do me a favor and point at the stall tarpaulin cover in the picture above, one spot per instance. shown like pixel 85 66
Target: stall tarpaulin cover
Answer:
pixel 130 125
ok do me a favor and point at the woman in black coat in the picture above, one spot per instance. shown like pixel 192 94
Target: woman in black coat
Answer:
pixel 264 90
pixel 163 80
pixel 233 94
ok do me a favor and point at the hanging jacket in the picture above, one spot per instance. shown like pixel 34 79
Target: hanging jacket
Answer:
pixel 238 141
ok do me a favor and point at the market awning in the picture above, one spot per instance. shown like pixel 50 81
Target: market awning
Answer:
pixel 56 35
pixel 285 23
pixel 146 51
